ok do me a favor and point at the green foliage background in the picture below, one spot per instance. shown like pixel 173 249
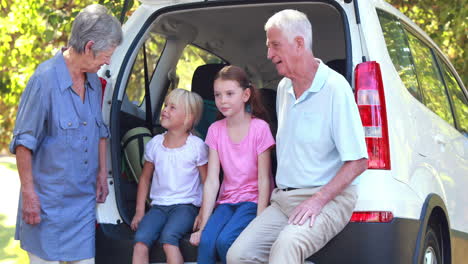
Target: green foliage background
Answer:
pixel 31 31
pixel 445 21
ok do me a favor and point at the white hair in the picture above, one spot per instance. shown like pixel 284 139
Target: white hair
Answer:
pixel 95 23
pixel 292 23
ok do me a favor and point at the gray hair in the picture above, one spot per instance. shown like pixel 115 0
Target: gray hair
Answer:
pixel 292 23
pixel 95 23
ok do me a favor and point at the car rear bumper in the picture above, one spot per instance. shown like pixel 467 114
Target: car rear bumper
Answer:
pixel 361 243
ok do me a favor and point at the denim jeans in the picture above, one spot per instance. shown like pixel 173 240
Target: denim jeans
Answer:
pixel 166 223
pixel 224 226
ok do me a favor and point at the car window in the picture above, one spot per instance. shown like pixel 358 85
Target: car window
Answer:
pixel 429 78
pixel 135 90
pixel 191 58
pixel 399 51
pixel 459 100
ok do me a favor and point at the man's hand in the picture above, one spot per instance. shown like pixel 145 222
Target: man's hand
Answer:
pixel 195 238
pixel 309 208
pixel 102 190
pixel 31 207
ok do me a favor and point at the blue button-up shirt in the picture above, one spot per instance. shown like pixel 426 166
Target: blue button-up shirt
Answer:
pixel 63 133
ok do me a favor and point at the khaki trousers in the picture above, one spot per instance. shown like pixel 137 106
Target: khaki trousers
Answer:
pixel 270 239
pixel 33 259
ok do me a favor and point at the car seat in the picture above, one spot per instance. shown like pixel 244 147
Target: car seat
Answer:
pixel 339 65
pixel 202 83
pixel 133 148
pixel 268 98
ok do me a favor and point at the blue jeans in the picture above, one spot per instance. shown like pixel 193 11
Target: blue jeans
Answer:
pixel 166 223
pixel 224 226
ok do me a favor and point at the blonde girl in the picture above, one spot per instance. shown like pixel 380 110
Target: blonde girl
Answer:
pixel 175 161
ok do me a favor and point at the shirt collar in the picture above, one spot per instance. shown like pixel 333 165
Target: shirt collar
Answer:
pixel 319 79
pixel 64 77
pixel 318 82
pixel 63 74
pixel 91 84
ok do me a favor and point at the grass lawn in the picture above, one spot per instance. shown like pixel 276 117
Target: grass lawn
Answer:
pixel 10 251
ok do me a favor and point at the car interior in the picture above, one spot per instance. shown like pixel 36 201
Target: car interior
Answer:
pixel 185 48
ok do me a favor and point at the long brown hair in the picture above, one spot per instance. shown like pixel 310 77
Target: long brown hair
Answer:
pixel 237 74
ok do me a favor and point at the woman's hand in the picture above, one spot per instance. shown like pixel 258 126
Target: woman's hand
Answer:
pixel 102 190
pixel 31 207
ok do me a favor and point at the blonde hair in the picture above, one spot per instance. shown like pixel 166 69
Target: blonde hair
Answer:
pixel 192 103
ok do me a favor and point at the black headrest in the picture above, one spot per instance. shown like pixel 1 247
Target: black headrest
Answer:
pixel 203 78
pixel 339 65
pixel 268 97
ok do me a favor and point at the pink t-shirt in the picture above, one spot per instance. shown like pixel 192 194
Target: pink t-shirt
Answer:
pixel 239 160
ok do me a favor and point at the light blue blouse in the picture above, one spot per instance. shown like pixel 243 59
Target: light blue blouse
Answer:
pixel 63 134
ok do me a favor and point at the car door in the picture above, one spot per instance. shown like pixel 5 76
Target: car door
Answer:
pixel 446 144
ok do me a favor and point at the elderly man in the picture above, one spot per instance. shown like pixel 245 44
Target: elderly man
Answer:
pixel 320 149
pixel 60 141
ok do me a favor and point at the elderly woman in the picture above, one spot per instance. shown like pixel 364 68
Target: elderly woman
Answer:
pixel 60 140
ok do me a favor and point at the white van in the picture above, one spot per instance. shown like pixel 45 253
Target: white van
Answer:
pixel 413 203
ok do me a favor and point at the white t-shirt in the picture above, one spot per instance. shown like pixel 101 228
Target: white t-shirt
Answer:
pixel 176 179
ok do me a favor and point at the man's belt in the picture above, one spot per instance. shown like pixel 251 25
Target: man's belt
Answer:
pixel 288 189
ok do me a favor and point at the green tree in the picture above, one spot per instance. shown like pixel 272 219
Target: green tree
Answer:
pixel 32 31
pixel 445 21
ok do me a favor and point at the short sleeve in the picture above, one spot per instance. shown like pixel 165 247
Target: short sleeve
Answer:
pixel 150 153
pixel 347 129
pixel 32 114
pixel 202 157
pixel 212 136
pixel 264 138
pixel 103 129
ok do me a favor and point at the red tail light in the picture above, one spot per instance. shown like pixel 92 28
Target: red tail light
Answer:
pixel 371 103
pixel 103 87
pixel 372 217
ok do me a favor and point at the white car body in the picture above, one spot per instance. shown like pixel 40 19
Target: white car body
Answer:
pixel 429 157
